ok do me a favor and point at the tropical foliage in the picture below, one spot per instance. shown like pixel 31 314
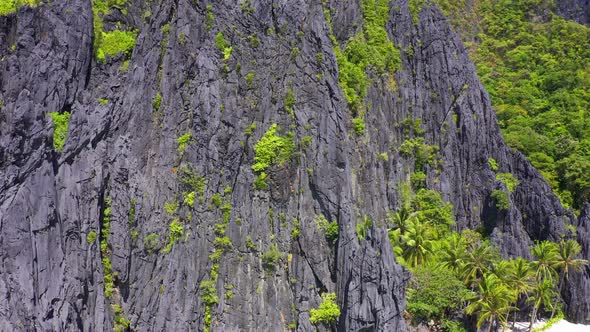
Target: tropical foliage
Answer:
pixel 455 273
pixel 536 67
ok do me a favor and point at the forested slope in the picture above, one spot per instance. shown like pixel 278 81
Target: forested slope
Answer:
pixel 535 64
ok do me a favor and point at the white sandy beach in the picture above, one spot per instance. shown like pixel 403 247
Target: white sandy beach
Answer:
pixel 565 326
pixel 561 326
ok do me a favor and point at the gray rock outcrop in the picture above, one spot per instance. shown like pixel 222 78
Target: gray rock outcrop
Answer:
pixel 577 10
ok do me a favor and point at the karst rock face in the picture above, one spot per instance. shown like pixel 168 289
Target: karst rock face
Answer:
pixel 577 10
pixel 122 173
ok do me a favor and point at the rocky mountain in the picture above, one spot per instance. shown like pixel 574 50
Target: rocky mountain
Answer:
pixel 577 10
pixel 184 184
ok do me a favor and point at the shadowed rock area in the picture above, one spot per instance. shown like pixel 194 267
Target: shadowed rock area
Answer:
pixel 124 175
pixel 577 10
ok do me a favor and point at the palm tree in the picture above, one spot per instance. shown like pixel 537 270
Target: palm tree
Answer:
pixel 417 243
pixel 566 259
pixel 395 238
pixel 520 279
pixel 492 301
pixel 503 270
pixel 546 254
pixel 543 294
pixel 453 253
pixel 401 217
pixel 478 262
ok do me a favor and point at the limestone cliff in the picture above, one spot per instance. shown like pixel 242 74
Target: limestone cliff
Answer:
pixel 105 231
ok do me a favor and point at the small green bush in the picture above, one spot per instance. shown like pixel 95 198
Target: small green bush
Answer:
pixel 493 164
pixel 151 243
pixel 295 52
pixel 7 7
pixel 219 229
pixel 105 252
pixel 176 229
pixel 363 227
pixel 250 245
pixel 183 141
pixel 453 326
pixel 330 229
pixel 250 129
pixel 121 323
pixel 216 199
pixel 189 199
pixel 306 141
pixel 501 199
pixel 295 230
pixel 432 208
pixel 171 207
pixel 411 125
pixel 223 243
pixel 229 295
pixel 272 149
pixel 290 101
pixel 328 311
pixel 176 232
pixel 91 237
pixel 509 180
pixel 250 80
pixel 165 29
pixel 223 46
pixel 359 125
pixel 192 181
pixel 332 232
pixel 254 41
pixel 271 257
pixel 260 182
pixel 415 7
pixel 115 42
pixel 226 209
pixel 209 18
pixel 61 123
pixel 209 292
pixel 157 101
pixel 368 50
pixel 131 212
pixel 423 154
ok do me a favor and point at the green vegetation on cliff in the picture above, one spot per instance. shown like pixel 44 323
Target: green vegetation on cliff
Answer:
pixel 536 67
pixel 61 123
pixel 272 149
pixel 10 6
pixel 111 43
pixel 327 312
pixel 368 51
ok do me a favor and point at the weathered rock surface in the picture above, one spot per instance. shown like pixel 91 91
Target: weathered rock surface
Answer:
pixel 126 152
pixel 577 290
pixel 577 10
